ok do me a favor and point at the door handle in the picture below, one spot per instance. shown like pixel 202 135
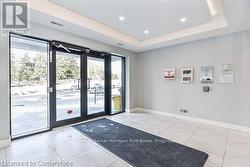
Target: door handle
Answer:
pixel 79 84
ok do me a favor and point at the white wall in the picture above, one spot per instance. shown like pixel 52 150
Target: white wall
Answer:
pixel 226 103
pixel 4 94
pixel 49 33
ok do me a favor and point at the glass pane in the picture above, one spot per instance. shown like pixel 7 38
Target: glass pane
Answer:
pixel 116 75
pixel 67 86
pixel 29 73
pixel 95 85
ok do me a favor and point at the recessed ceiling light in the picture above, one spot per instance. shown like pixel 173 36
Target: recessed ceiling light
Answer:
pixel 146 32
pixel 183 19
pixel 121 18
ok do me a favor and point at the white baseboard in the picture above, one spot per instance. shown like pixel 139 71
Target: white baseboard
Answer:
pixel 131 110
pixel 5 143
pixel 194 119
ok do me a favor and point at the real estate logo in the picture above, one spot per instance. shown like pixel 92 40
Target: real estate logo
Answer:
pixel 15 17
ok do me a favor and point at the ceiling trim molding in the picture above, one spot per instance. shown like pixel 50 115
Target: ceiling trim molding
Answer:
pixel 216 23
pixel 50 8
pixel 55 10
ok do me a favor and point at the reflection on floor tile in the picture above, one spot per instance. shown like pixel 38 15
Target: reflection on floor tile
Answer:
pixel 238 148
pixel 176 134
pixel 225 147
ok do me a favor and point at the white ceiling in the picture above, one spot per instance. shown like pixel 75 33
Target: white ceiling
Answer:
pixel 98 20
pixel 160 17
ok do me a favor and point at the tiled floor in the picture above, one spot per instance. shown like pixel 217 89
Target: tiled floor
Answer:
pixel 226 148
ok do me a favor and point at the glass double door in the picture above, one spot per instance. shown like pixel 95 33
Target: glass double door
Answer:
pixel 77 85
pixel 53 84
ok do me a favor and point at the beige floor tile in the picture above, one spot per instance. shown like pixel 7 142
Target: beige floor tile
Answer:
pixel 61 135
pixel 188 125
pixel 210 139
pixel 209 144
pixel 94 157
pixel 25 146
pixel 230 163
pixel 210 164
pixel 146 128
pixel 46 154
pixel 238 147
pixel 119 163
pixel 146 124
pixel 214 161
pixel 2 155
pixel 212 130
pixel 71 147
pixel 237 137
pixel 79 161
pixel 176 134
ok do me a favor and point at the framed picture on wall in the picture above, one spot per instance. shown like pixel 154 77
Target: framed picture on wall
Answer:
pixel 169 74
pixel 187 75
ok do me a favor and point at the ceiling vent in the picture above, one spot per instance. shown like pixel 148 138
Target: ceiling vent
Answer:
pixel 57 24
pixel 120 44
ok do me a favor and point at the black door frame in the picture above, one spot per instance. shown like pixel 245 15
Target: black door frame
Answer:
pixel 49 104
pixel 123 91
pixel 85 52
pixel 60 47
pixel 107 88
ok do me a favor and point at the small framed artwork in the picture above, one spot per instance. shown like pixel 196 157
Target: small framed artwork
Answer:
pixel 169 74
pixel 187 75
